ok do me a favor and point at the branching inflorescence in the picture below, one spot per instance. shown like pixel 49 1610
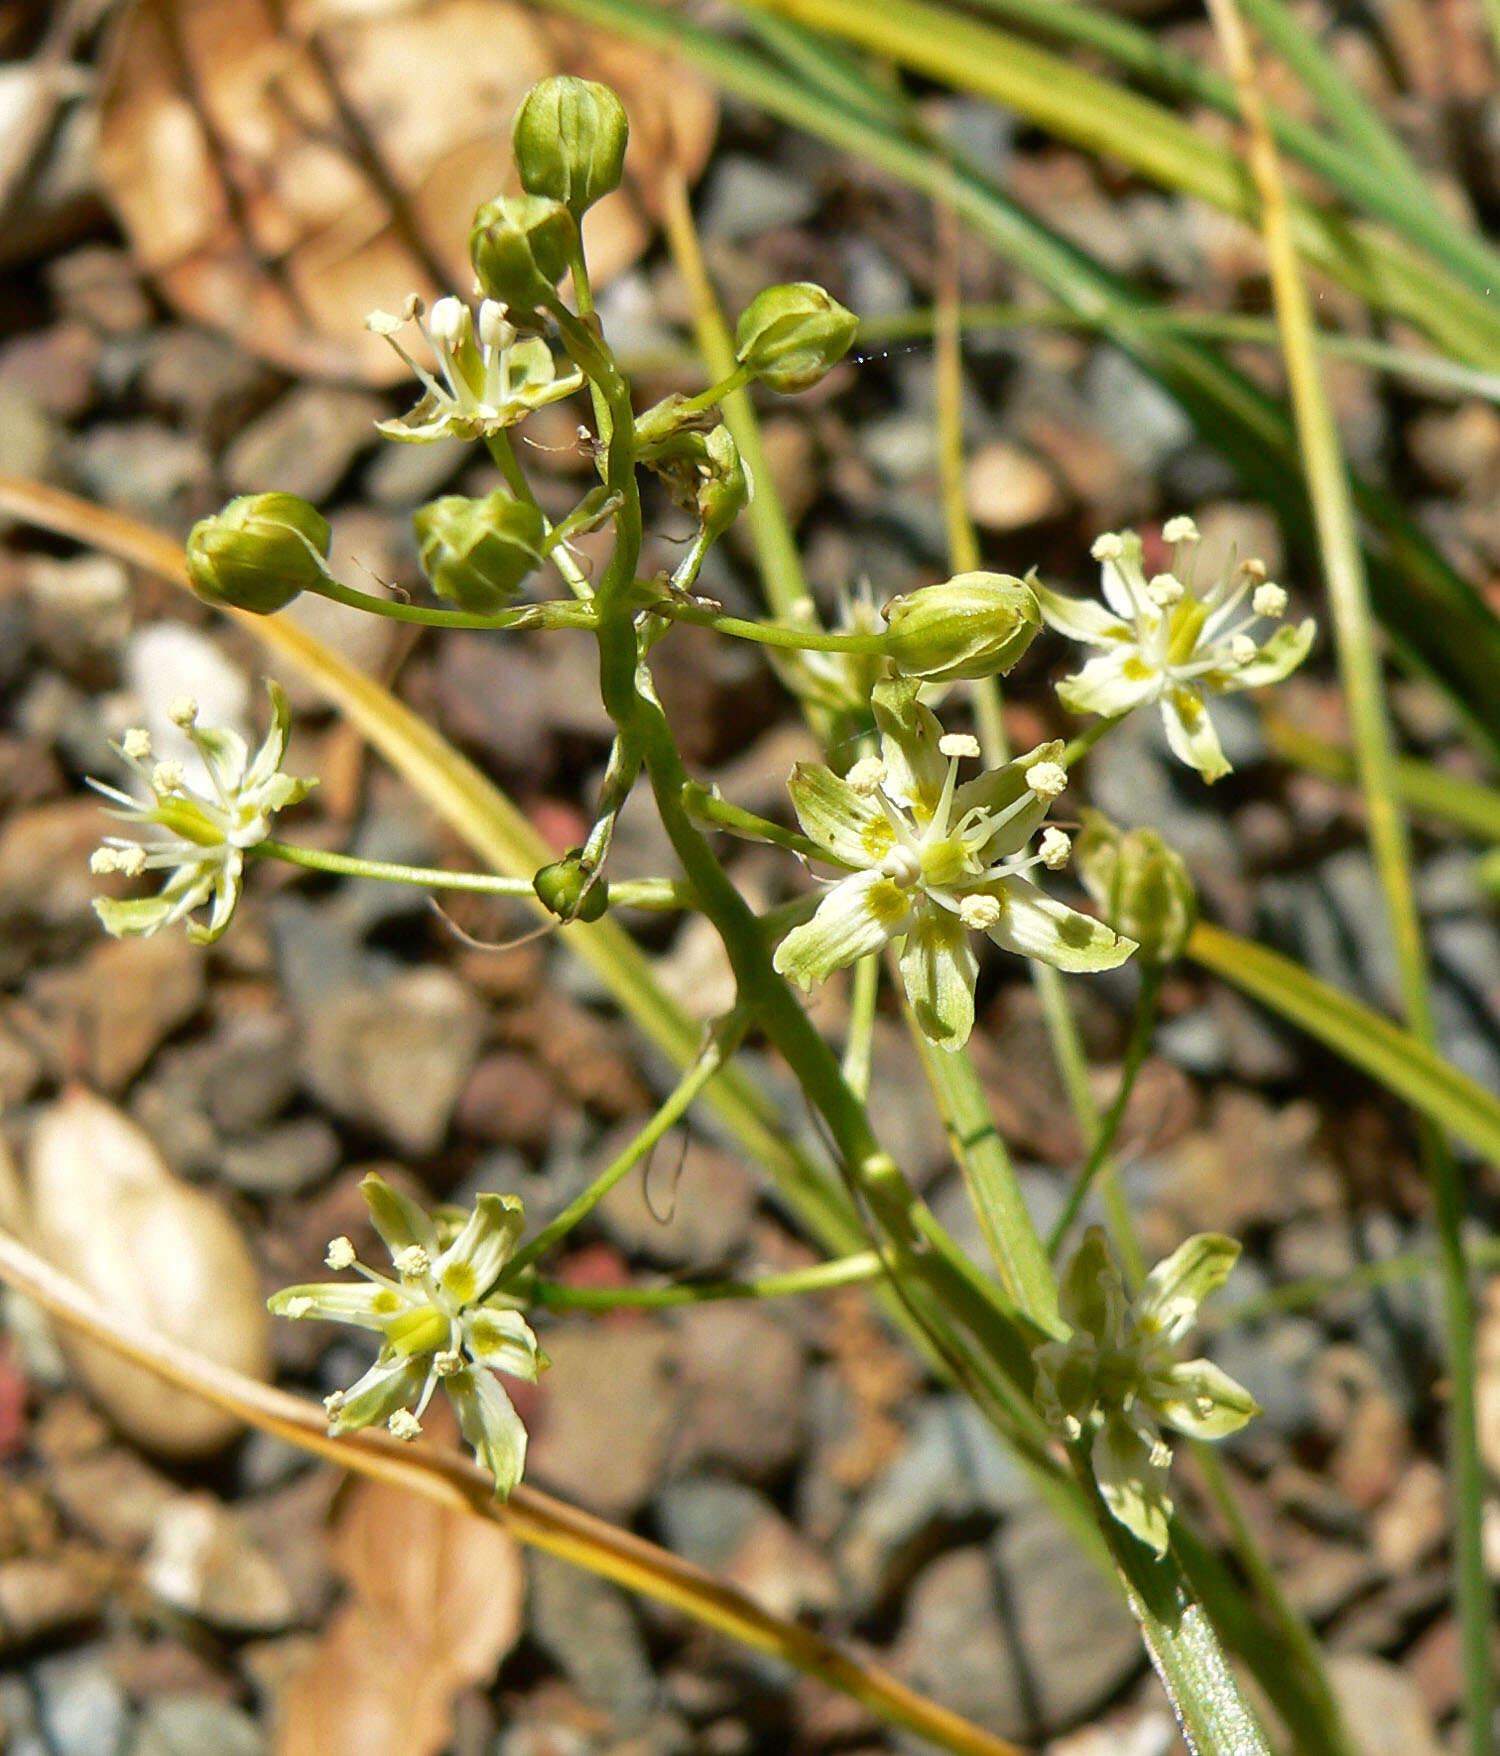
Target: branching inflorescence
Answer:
pixel 930 851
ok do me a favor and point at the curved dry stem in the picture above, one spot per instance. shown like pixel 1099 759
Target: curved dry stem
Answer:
pixel 530 1515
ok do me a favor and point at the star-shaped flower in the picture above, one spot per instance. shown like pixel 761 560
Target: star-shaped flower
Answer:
pixel 490 377
pixel 929 860
pixel 198 838
pixel 1163 640
pixel 439 1322
pixel 1115 1378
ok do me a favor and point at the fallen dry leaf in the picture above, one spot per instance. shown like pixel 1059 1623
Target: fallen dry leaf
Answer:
pixel 282 170
pixel 435 1604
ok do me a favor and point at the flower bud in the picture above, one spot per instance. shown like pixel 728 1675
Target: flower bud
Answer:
pixel 789 336
pixel 1141 886
pixel 475 553
pixel 259 553
pixel 522 246
pixel 569 141
pixel 566 889
pixel 974 625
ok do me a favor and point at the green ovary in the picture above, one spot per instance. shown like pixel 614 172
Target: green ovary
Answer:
pixel 944 863
pixel 421 1331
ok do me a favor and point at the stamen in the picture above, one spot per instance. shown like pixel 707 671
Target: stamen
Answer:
pixel 103 861
pixel 958 744
pixel 1269 600
pixel 902 867
pixel 412 1262
pixel 1253 569
pixel 866 776
pixel 183 712
pixel 131 859
pixel 1164 590
pixel 446 1363
pixel 450 318
pixel 1054 848
pixel 383 323
pixel 135 746
pixel 301 1306
pixel 979 911
pixel 1109 547
pixel 1243 650
pixel 333 1404
pixel 340 1253
pixel 1180 529
pixel 404 1424
pixel 494 330
pixel 168 776
pixel 1047 779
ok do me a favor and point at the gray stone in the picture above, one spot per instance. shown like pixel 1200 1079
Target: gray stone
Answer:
pixel 1143 423
pixel 395 1059
pixel 282 1160
pixel 1272 1360
pixel 747 196
pixel 708 1207
pixel 146 467
pixel 401 476
pixel 589 1627
pixel 251 1072
pixel 83 1710
pixel 1023 1635
pixel 306 443
pixel 741 1391
pixel 195 1725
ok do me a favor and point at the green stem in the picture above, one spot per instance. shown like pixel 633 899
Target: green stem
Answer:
pixel 841 1272
pixel 724 1040
pixel 1106 1131
pixel 864 988
pixel 1080 746
pixel 708 807
pixel 715 394
pixel 642 893
pixel 548 615
pixel 796 639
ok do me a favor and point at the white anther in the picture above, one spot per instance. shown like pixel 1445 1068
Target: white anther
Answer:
pixel 333 1404
pixel 1109 547
pixel 494 330
pixel 1179 530
pixel 958 744
pixel 1253 569
pixel 413 305
pixel 340 1253
pixel 183 712
pixel 1053 849
pixel 902 867
pixel 1164 590
pixel 382 323
pixel 136 744
pixel 1269 600
pixel 866 775
pixel 168 776
pixel 980 911
pixel 449 321
pixel 412 1262
pixel 103 861
pixel 131 860
pixel 404 1424
pixel 447 1362
pixel 1047 779
pixel 301 1306
pixel 1243 650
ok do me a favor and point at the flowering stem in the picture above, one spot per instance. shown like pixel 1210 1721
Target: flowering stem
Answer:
pixel 1080 746
pixel 764 633
pixel 548 615
pixel 843 1271
pixel 863 989
pixel 1109 1125
pixel 643 893
pixel 708 807
pixel 723 1040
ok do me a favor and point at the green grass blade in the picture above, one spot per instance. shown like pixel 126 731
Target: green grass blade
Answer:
pixel 1357 1034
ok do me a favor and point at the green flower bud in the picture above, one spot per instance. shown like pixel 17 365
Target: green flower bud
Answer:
pixel 522 246
pixel 569 141
pixel 1141 886
pixel 565 888
pixel 477 552
pixel 789 336
pixel 974 625
pixel 259 553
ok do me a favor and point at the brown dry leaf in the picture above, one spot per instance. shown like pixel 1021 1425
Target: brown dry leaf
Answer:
pixel 283 169
pixel 434 1605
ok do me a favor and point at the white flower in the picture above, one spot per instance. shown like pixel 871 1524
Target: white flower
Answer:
pixel 928 860
pixel 198 838
pixel 1115 1377
pixel 439 1322
pixel 1162 640
pixel 490 377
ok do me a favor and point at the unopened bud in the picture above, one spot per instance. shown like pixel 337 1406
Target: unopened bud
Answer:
pixel 522 246
pixel 259 553
pixel 1141 886
pixel 974 625
pixel 569 890
pixel 477 552
pixel 569 141
pixel 790 336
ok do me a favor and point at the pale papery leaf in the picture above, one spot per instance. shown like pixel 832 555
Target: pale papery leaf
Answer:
pixel 224 150
pixel 435 1604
